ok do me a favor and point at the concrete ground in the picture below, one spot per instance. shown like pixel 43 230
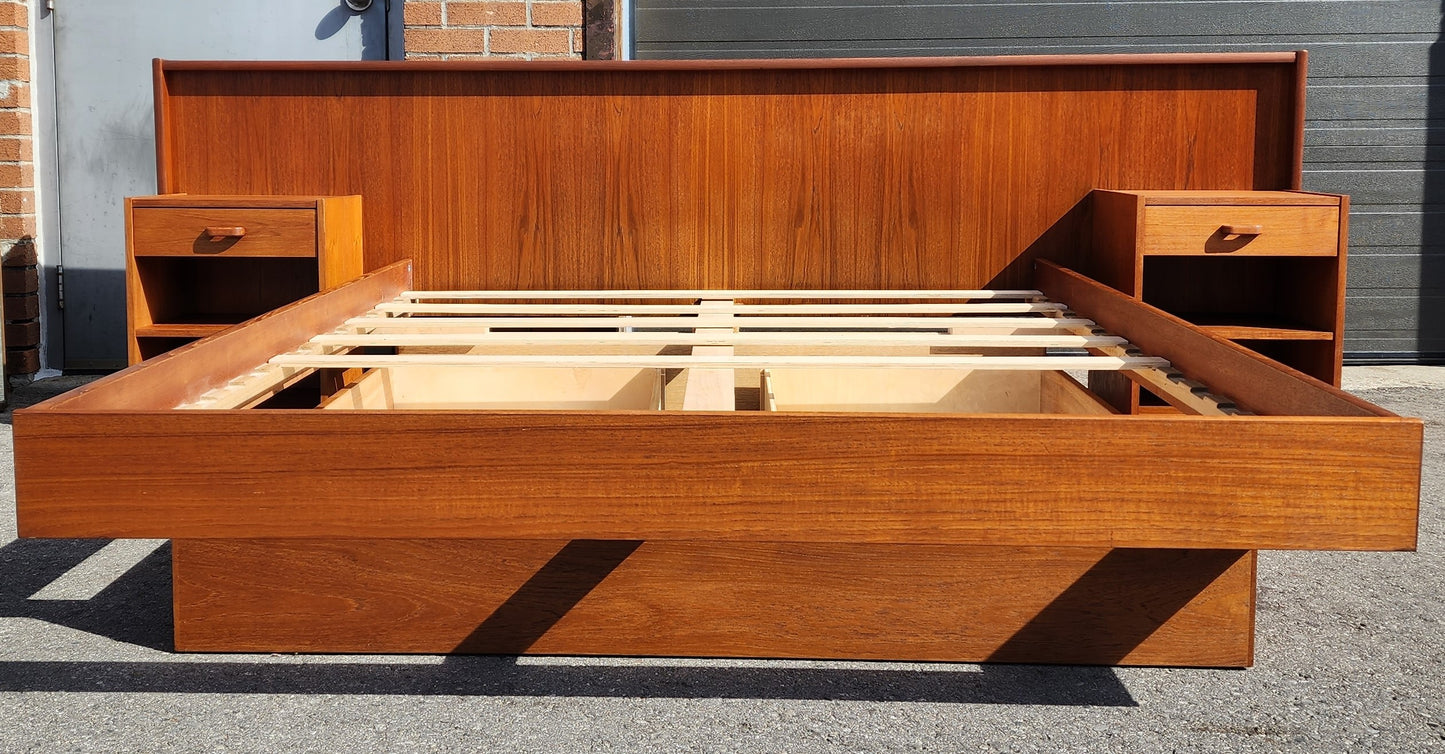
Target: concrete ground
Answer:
pixel 1351 658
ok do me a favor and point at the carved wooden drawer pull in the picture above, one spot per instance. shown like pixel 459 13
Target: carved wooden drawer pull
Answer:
pixel 220 233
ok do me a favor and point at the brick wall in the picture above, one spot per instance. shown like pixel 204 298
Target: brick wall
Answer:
pixel 525 29
pixel 18 276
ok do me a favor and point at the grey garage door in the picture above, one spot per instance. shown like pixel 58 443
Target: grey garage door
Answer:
pixel 1376 115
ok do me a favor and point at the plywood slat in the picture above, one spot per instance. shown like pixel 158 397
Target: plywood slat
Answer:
pixel 737 310
pixel 828 323
pixel 713 361
pixel 859 339
pixel 1189 396
pixel 736 295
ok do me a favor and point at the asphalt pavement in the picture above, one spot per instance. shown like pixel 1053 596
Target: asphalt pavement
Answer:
pixel 1350 658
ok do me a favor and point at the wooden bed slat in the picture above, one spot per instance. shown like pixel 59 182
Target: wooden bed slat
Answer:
pixel 735 295
pixel 645 338
pixel 719 361
pixel 827 323
pixel 1185 395
pixel 738 310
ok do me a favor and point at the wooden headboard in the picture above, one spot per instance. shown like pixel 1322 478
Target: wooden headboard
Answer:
pixel 933 173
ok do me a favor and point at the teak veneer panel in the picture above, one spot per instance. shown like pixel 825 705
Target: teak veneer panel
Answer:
pixel 1262 483
pixel 1286 283
pixel 1197 231
pixel 1253 381
pixel 194 261
pixel 184 374
pixel 967 604
pixel 268 232
pixel 770 174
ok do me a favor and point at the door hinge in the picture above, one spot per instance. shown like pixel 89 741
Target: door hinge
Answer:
pixel 50 4
pixel 59 286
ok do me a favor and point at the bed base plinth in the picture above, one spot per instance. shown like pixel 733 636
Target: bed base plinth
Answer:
pixel 714 599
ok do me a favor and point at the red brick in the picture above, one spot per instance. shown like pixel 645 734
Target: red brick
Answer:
pixel 557 14
pixel 422 14
pixel 530 40
pixel 17 226
pixel 23 306
pixel 577 38
pixel 14 14
pixel 17 175
pixel 446 40
pixel 487 14
pixel 14 67
pixel 14 94
pixel 22 361
pixel 16 150
pixel 17 202
pixel 14 122
pixel 14 41
pixel 22 334
pixel 19 280
pixel 21 254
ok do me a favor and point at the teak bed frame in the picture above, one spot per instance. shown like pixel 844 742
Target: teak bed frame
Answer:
pixel 787 347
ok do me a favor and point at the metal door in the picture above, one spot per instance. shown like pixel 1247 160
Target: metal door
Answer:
pixel 104 129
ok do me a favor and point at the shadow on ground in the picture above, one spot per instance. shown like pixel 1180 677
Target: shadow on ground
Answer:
pixel 136 609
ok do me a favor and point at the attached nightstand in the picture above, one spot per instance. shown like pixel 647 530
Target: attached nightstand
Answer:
pixel 1263 268
pixel 196 265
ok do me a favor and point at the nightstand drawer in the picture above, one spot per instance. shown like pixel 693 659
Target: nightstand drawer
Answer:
pixel 185 231
pixel 1241 230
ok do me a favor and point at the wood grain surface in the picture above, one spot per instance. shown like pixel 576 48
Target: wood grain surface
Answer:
pixel 1283 283
pixel 185 283
pixel 1252 483
pixel 339 256
pixel 900 602
pixel 184 374
pixel 1282 231
pixel 1253 381
pixel 262 232
pixel 809 174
